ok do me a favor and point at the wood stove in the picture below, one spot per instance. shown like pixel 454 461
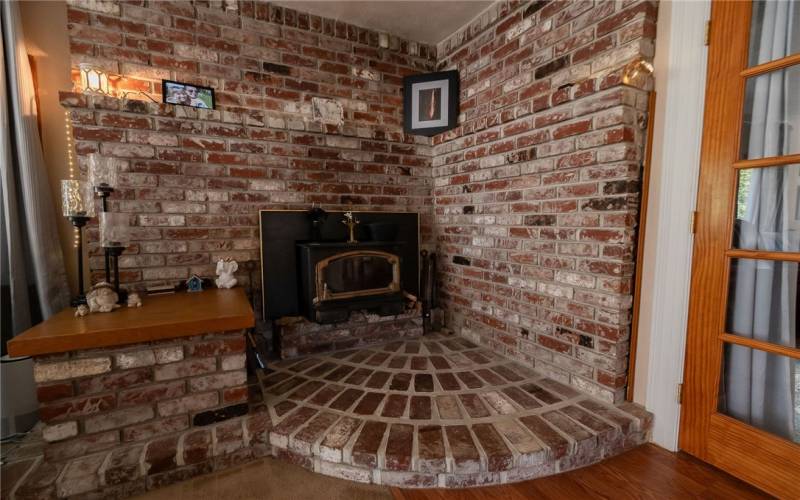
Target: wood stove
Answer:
pixel 339 277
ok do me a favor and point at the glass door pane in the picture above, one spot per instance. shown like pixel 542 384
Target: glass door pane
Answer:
pixel 774 30
pixel 762 301
pixel 761 389
pixel 767 211
pixel 771 116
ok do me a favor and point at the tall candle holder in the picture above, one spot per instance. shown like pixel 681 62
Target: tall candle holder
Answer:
pixel 115 237
pixel 77 204
pixel 317 216
pixel 103 176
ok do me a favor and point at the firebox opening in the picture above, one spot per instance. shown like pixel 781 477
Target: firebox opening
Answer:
pixel 357 273
pixel 339 277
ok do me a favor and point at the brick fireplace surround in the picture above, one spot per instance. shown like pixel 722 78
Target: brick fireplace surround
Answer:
pixel 531 202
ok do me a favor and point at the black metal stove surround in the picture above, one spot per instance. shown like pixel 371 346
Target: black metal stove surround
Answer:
pixel 336 278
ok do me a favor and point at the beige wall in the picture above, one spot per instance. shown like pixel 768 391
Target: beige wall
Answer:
pixel 44 24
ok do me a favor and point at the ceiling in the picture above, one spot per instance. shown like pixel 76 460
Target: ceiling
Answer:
pixel 420 21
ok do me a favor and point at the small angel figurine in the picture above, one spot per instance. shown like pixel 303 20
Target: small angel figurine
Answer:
pixel 225 270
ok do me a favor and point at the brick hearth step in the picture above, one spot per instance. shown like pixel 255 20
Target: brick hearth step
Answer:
pixel 437 411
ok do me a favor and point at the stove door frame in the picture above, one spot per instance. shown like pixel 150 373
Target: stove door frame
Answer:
pixel 323 294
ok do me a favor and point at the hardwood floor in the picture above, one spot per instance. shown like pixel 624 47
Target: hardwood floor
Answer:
pixel 645 472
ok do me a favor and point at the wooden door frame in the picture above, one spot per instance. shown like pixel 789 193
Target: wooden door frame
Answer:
pixel 714 437
pixel 716 156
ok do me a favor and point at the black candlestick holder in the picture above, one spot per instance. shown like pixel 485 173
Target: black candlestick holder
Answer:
pixel 79 221
pixel 112 253
pixel 317 216
pixel 104 191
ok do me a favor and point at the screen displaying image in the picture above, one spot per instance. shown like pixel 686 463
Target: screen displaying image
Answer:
pixel 188 95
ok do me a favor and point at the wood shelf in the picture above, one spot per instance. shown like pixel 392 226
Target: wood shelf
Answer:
pixel 160 318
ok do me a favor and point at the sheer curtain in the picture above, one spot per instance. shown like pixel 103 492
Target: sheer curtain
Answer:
pixel 32 269
pixel 758 388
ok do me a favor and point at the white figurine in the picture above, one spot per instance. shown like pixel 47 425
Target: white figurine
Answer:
pixel 102 298
pixel 225 270
pixel 134 300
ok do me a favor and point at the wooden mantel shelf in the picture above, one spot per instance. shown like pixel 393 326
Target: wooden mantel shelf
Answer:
pixel 160 318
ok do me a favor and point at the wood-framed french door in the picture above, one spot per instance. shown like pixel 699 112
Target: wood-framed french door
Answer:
pixel 741 392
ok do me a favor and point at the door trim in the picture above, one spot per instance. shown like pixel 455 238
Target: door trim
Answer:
pixel 717 156
pixel 680 81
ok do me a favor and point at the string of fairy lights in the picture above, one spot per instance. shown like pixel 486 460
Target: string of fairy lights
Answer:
pixel 71 164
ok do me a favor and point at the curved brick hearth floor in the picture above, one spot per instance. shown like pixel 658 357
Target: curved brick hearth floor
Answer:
pixel 437 411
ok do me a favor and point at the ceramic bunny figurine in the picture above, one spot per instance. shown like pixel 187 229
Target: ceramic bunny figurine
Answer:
pixel 225 270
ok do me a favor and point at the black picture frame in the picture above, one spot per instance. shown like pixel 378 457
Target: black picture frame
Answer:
pixel 419 96
pixel 165 93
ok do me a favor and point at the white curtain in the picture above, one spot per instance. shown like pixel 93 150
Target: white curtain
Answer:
pixel 32 270
pixel 758 388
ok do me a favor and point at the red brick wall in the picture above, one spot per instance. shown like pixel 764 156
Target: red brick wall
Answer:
pixel 99 399
pixel 123 420
pixel 195 180
pixel 537 191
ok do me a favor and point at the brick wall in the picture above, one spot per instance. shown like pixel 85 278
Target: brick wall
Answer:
pixel 537 191
pixel 194 180
pixel 299 336
pixel 105 398
pixel 120 421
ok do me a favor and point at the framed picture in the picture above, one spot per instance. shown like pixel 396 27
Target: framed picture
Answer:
pixel 186 94
pixel 430 102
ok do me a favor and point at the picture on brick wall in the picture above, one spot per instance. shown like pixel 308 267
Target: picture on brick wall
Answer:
pixel 186 94
pixel 430 103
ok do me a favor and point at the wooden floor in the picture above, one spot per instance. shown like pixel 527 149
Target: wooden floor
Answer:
pixel 645 472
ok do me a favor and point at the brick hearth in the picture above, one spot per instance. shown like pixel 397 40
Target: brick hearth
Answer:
pixel 437 411
pixel 433 411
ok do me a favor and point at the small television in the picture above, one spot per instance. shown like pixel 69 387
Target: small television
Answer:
pixel 186 94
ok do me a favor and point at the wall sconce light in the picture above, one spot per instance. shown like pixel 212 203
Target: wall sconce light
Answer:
pixel 636 73
pixel 94 80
